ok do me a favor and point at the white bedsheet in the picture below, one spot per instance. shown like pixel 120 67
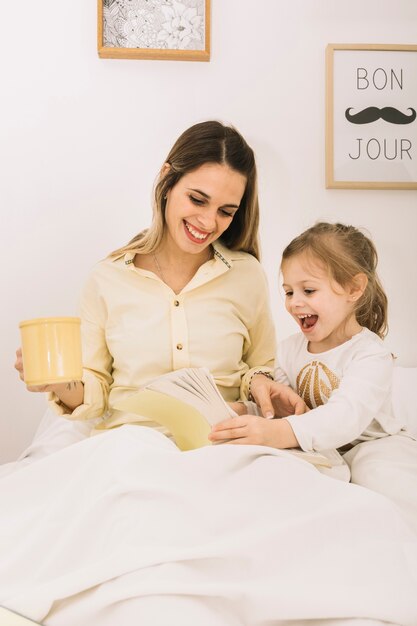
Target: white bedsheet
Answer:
pixel 122 528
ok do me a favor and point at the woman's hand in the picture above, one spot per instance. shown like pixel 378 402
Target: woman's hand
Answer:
pixel 41 388
pixel 238 407
pixel 250 429
pixel 19 367
pixel 71 394
pixel 276 399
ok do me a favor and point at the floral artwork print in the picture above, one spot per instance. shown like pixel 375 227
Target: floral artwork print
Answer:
pixel 163 24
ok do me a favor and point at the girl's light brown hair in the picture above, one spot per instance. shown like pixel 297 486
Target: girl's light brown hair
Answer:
pixel 345 251
pixel 206 142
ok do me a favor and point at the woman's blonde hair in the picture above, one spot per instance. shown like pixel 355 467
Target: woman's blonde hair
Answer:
pixel 206 142
pixel 345 251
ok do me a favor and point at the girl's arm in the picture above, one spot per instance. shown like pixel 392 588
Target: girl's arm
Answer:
pixel 249 429
pixel 276 398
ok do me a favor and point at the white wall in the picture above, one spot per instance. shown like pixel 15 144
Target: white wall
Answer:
pixel 81 140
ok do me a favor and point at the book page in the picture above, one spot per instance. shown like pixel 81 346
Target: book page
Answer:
pixel 195 386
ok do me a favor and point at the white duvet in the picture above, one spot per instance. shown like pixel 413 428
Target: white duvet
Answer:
pixel 123 529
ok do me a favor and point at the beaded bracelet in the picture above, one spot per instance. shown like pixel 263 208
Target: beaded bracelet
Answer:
pixel 267 374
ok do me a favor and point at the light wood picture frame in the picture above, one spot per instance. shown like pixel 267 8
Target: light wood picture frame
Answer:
pixel 154 29
pixel 371 125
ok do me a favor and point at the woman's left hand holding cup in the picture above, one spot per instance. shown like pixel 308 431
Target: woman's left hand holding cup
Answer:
pixel 19 367
pixel 50 358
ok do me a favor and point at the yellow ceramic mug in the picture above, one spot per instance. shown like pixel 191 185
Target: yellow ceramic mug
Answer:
pixel 51 350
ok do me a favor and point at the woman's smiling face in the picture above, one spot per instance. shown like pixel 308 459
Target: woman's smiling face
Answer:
pixel 201 206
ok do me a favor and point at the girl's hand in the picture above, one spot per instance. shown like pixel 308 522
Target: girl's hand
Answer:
pixel 250 429
pixel 276 399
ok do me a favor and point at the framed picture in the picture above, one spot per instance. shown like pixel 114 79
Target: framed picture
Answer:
pixel 371 125
pixel 154 29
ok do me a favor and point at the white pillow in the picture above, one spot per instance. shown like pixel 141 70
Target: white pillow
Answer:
pixel 404 389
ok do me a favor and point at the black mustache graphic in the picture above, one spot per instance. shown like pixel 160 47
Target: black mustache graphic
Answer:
pixel 389 114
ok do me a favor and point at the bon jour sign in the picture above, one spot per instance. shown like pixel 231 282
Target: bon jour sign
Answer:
pixel 371 110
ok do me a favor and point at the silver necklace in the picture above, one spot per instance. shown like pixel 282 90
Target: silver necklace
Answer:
pixel 158 267
pixel 161 273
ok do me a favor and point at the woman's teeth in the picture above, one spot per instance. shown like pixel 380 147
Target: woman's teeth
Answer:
pixel 195 233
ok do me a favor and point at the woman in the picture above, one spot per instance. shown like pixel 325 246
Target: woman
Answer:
pixel 187 292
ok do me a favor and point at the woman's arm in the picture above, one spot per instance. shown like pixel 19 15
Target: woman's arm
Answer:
pixel 70 395
pixel 275 399
pixel 97 360
pixel 257 384
pixel 259 353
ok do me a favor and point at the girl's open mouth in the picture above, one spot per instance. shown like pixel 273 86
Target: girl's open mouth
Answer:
pixel 307 322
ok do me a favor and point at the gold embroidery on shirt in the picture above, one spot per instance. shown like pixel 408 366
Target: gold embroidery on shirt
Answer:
pixel 304 384
pixel 315 383
pixel 325 390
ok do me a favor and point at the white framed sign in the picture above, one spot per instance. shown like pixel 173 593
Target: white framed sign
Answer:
pixel 371 125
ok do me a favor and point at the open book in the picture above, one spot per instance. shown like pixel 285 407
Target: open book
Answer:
pixel 188 403
pixel 10 618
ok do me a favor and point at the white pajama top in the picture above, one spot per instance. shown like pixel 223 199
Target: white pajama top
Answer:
pixel 348 388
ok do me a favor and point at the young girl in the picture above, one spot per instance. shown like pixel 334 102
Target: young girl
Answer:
pixel 338 365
